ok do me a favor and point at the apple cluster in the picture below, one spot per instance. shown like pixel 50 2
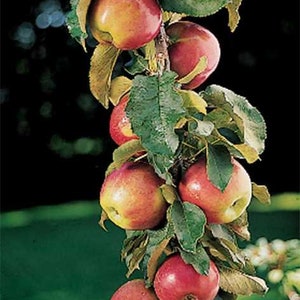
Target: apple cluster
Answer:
pixel 131 195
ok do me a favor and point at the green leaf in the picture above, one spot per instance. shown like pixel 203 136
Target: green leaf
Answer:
pixel 137 65
pixel 219 166
pixel 154 109
pixel 76 20
pixel 188 221
pixel 194 8
pixel 123 153
pixel 199 260
pixel 134 248
pixel 238 283
pixel 102 64
pixel 247 118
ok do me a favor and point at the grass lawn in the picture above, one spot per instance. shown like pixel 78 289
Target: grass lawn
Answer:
pixel 61 253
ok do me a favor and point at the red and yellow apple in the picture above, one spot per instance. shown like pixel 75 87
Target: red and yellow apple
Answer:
pixel 134 290
pixel 119 124
pixel 219 207
pixel 127 24
pixel 131 196
pixel 176 280
pixel 188 43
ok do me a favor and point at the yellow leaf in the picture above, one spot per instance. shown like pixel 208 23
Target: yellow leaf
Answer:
pixel 172 17
pixel 119 86
pixel 168 193
pixel 150 55
pixel 154 258
pixel 261 193
pixel 102 220
pixel 81 11
pixel 233 14
pixel 249 153
pixel 200 67
pixel 102 64
pixel 193 100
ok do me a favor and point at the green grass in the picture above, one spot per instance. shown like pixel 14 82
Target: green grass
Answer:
pixel 61 253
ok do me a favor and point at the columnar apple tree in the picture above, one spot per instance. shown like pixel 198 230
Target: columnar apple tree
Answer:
pixel 177 182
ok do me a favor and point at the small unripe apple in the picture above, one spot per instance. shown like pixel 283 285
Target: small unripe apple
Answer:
pixel 131 196
pixel 127 24
pixel 190 42
pixel 219 207
pixel 119 124
pixel 176 280
pixel 134 290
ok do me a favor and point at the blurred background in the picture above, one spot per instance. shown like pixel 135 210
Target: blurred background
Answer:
pixel 55 145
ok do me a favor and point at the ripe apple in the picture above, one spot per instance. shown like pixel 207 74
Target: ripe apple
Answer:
pixel 131 196
pixel 176 280
pixel 127 24
pixel 219 207
pixel 119 124
pixel 189 42
pixel 134 290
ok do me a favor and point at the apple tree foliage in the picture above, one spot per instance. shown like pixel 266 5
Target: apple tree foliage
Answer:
pixel 175 126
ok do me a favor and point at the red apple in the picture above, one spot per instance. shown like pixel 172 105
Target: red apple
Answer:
pixel 131 196
pixel 127 24
pixel 176 280
pixel 134 290
pixel 190 42
pixel 219 207
pixel 119 125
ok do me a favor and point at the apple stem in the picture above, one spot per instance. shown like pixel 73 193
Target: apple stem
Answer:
pixel 162 55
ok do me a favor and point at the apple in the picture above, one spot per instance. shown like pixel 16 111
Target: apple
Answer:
pixel 188 43
pixel 131 196
pixel 219 207
pixel 127 24
pixel 134 290
pixel 119 124
pixel 176 280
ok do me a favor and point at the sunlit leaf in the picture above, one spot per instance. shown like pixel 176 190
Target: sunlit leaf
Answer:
pixel 102 64
pixel 188 221
pixel 247 118
pixel 119 86
pixel 76 20
pixel 201 128
pixel 199 68
pixel 233 14
pixel 102 220
pixel 150 56
pixel 236 282
pixel 194 8
pixel 123 153
pixel 168 192
pixel 192 100
pixel 249 153
pixel 261 193
pixel 219 166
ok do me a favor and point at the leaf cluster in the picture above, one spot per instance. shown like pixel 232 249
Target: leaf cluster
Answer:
pixel 175 127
